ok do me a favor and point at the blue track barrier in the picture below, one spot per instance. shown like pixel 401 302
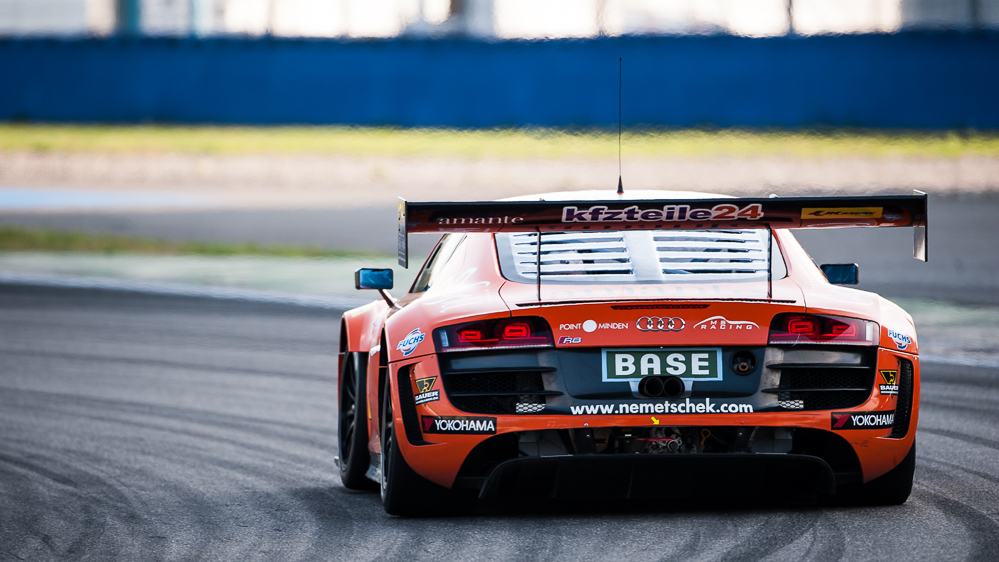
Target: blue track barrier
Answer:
pixel 918 80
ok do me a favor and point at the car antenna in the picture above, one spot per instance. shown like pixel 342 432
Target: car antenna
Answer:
pixel 620 184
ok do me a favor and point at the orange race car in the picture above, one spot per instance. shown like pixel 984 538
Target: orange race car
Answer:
pixel 650 345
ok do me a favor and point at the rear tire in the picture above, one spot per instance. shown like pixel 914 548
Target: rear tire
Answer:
pixel 404 492
pixel 352 431
pixel 892 488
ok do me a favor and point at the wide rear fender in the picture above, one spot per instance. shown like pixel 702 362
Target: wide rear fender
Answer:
pixel 360 327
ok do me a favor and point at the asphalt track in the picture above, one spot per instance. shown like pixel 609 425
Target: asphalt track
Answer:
pixel 136 427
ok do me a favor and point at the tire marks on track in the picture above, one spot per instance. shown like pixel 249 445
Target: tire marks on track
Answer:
pixel 205 447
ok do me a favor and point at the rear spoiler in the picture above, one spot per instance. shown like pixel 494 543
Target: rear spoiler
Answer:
pixel 662 214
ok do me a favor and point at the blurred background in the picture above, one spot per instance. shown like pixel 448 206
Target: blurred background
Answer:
pixel 488 19
pixel 260 145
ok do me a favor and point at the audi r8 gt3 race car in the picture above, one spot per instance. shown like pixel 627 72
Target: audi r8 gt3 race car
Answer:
pixel 654 345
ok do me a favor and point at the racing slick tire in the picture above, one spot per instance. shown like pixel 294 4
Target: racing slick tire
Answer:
pixel 404 492
pixel 892 488
pixel 352 431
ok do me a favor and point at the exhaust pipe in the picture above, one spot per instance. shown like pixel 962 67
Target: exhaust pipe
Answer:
pixel 651 386
pixel 670 386
pixel 673 386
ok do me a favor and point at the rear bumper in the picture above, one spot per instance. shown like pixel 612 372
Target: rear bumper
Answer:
pixel 440 457
pixel 629 476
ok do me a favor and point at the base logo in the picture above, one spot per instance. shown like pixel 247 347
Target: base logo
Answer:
pixel 424 391
pixel 459 425
pixel 890 386
pixel 862 420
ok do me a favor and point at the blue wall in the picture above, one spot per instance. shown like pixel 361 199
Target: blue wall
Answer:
pixel 922 80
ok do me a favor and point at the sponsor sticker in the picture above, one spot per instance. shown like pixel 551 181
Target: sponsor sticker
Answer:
pixel 630 365
pixel 901 340
pixel 668 213
pixel 459 425
pixel 408 344
pixel 564 340
pixel 425 392
pixel 590 326
pixel 892 216
pixel 722 323
pixel 841 212
pixel 505 219
pixel 890 382
pixel 686 406
pixel 862 420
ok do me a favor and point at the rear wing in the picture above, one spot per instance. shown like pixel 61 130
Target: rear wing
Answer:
pixel 662 214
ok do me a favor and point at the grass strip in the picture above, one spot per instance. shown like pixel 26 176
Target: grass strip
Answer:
pixel 19 239
pixel 512 143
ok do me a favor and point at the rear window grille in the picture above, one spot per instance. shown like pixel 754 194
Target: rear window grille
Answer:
pixel 571 254
pixel 637 256
pixel 733 252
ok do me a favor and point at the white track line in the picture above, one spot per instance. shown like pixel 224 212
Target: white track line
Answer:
pixel 180 290
pixel 277 297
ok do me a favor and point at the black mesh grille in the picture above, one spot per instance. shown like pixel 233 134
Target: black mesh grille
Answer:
pixel 825 400
pixel 494 382
pixel 525 384
pixel 903 406
pixel 824 378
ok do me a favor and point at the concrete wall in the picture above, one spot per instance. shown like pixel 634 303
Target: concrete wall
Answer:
pixel 925 80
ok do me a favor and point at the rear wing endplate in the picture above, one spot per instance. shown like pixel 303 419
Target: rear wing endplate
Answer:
pixel 661 214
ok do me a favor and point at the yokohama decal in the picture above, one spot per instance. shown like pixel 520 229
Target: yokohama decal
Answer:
pixel 459 425
pixel 862 420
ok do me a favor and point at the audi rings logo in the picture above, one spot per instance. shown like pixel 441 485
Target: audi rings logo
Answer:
pixel 657 324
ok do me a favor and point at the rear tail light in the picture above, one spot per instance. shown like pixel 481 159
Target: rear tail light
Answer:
pixel 502 333
pixel 792 328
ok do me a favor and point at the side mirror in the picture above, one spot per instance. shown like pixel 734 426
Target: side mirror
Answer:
pixel 380 279
pixel 841 273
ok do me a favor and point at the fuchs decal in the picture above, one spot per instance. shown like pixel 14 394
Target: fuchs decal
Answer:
pixel 722 323
pixel 890 380
pixel 669 213
pixel 901 340
pixel 425 392
pixel 408 344
pixel 459 425
pixel 862 420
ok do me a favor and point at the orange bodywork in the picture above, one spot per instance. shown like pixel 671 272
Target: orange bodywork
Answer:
pixel 471 287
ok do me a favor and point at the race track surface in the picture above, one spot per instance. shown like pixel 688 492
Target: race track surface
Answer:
pixel 138 428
